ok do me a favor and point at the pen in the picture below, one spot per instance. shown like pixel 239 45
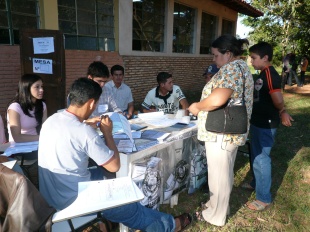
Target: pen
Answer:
pixel 98 123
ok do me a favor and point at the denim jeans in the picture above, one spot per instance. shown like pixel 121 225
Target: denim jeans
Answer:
pixel 289 81
pixel 136 216
pixel 262 140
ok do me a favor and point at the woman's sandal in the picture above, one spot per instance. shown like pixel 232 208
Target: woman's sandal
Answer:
pixel 185 220
pixel 198 216
pixel 257 206
pixel 247 186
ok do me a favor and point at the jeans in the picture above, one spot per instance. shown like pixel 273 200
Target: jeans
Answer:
pixel 262 140
pixel 289 81
pixel 136 216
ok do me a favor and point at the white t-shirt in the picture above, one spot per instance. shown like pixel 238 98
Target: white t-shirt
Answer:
pixel 65 144
pixel 121 95
pixel 169 104
pixel 28 124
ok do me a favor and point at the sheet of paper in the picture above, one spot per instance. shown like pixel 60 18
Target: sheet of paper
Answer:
pixel 95 196
pixel 135 135
pixel 138 173
pixel 15 148
pixel 10 164
pixel 153 134
pixel 43 45
pixel 125 146
pixel 120 124
pixel 44 66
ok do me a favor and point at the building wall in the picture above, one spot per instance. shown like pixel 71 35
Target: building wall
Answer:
pixel 140 71
pixel 10 71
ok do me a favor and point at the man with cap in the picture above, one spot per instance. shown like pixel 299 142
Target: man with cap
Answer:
pixel 209 72
pixel 165 97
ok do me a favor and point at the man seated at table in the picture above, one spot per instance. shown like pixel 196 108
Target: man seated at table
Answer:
pixel 99 72
pixel 165 97
pixel 121 92
pixel 66 142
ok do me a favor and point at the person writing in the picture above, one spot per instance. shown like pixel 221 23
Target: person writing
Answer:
pixel 268 112
pixel 121 92
pixel 221 149
pixel 27 111
pixel 63 162
pixel 165 97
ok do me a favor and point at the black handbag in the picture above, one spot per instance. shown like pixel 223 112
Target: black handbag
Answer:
pixel 230 118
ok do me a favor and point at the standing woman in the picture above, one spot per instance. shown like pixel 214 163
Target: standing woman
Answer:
pixel 221 149
pixel 27 111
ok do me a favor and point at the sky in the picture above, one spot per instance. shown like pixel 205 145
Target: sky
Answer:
pixel 242 30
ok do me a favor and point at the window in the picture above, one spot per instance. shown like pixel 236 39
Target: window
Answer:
pixel 183 28
pixel 228 27
pixel 148 25
pixel 16 14
pixel 87 25
pixel 208 32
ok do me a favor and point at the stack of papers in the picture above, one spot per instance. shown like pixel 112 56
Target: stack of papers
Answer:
pixel 16 148
pixel 154 135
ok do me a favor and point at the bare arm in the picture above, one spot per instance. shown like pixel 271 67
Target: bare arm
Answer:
pixel 216 99
pixel 15 126
pixel 130 109
pixel 185 105
pixel 278 102
pixel 106 125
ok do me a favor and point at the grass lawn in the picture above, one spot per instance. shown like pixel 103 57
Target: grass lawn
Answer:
pixel 290 187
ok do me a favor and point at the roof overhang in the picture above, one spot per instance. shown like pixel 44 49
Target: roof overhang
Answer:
pixel 241 6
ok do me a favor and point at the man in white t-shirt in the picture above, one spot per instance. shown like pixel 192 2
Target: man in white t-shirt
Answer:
pixel 99 72
pixel 67 141
pixel 165 97
pixel 121 92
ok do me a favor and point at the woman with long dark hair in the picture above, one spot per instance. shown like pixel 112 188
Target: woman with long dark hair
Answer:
pixel 27 111
pixel 233 81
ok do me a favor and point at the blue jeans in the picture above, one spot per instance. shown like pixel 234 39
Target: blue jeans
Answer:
pixel 136 216
pixel 262 140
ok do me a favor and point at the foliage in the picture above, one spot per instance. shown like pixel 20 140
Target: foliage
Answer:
pixel 285 25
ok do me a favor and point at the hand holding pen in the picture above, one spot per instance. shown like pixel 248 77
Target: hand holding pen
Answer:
pixel 105 124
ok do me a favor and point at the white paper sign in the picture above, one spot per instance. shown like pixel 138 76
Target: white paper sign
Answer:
pixel 43 45
pixel 42 66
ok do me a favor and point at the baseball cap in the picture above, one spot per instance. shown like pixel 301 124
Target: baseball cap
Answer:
pixel 211 69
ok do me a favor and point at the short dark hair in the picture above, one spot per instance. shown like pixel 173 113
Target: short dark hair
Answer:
pixel 162 77
pixel 117 68
pixel 230 43
pixel 262 49
pixel 98 69
pixel 82 90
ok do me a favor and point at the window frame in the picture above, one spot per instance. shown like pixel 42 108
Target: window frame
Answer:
pixel 13 31
pixel 91 37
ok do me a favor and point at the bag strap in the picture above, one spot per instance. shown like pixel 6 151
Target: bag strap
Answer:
pixel 243 78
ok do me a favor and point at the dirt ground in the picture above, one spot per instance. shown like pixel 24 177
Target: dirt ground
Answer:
pixel 305 90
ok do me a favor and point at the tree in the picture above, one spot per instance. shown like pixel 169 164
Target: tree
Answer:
pixel 285 25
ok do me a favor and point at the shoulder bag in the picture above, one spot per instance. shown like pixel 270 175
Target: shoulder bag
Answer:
pixel 231 118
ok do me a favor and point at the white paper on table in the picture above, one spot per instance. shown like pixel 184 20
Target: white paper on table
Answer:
pixel 120 124
pixel 152 115
pixel 95 196
pixel 15 148
pixel 153 134
pixel 125 146
pixel 135 135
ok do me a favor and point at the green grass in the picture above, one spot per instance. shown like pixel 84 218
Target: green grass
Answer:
pixel 290 187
